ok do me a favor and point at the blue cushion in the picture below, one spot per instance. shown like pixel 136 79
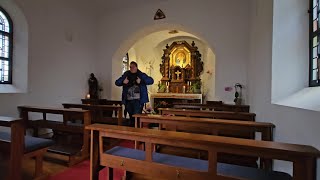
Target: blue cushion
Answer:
pixel 31 143
pixel 127 153
pixel 251 173
pixel 201 165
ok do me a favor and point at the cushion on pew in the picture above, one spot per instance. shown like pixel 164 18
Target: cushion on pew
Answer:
pixel 31 143
pixel 201 165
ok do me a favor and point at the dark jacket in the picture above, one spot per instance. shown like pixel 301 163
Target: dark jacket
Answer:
pixel 145 80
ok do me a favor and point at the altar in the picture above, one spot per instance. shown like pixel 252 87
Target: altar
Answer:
pixel 181 67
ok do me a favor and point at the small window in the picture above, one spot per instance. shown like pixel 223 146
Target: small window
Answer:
pixel 6 38
pixel 125 63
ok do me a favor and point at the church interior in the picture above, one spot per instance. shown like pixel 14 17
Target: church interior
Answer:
pixel 232 90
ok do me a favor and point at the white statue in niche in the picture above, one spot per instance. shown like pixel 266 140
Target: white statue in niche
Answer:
pixel 149 67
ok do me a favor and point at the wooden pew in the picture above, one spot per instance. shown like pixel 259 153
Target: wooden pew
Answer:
pixel 75 155
pixel 222 107
pixel 213 105
pixel 98 112
pixel 209 126
pixel 20 146
pixel 174 167
pixel 239 116
pixel 100 102
pixel 208 114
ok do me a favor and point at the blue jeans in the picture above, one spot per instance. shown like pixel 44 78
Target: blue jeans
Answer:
pixel 133 107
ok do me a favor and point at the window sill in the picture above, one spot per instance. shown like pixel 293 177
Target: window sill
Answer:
pixel 11 89
pixel 307 98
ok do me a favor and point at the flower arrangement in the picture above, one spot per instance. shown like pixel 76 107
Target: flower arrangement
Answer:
pixel 161 87
pixel 196 87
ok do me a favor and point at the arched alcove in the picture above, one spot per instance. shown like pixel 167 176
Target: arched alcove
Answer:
pixel 146 48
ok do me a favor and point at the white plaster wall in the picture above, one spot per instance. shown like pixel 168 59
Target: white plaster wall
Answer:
pixel 292 125
pixel 223 24
pixel 62 51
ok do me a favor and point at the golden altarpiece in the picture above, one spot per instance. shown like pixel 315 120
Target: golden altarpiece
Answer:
pixel 181 68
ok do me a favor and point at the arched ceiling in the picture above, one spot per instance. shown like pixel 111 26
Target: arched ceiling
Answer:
pixel 156 38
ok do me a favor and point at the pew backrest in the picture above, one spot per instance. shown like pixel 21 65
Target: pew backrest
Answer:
pixel 303 157
pixel 209 114
pixel 98 112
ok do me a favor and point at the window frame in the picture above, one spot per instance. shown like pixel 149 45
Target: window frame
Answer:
pixel 10 55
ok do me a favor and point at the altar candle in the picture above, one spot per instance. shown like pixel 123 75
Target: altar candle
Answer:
pixel 184 89
pixel 167 88
pixel 88 96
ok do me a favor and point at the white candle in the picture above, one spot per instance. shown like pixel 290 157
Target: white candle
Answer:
pixel 167 88
pixel 184 89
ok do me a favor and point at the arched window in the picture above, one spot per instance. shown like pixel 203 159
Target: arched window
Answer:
pixel 6 46
pixel 125 63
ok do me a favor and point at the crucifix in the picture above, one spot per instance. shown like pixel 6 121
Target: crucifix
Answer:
pixel 178 74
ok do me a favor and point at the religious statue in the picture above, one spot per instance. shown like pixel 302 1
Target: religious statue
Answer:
pixel 93 87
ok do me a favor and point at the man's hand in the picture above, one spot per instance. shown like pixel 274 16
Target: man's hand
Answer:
pixel 138 80
pixel 126 81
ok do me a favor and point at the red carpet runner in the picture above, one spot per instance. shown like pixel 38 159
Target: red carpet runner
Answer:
pixel 82 171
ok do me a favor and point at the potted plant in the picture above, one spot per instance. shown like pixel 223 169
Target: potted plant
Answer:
pixel 238 93
pixel 161 88
pixel 196 87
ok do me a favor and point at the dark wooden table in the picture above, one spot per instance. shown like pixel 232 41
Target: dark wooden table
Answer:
pixel 16 145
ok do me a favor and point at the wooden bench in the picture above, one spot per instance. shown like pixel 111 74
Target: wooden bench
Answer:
pixel 175 167
pixel 208 114
pixel 213 105
pixel 213 127
pixel 240 116
pixel 20 146
pixel 100 102
pixel 222 107
pixel 76 154
pixel 98 112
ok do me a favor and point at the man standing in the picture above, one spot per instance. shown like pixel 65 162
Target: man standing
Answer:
pixel 134 90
